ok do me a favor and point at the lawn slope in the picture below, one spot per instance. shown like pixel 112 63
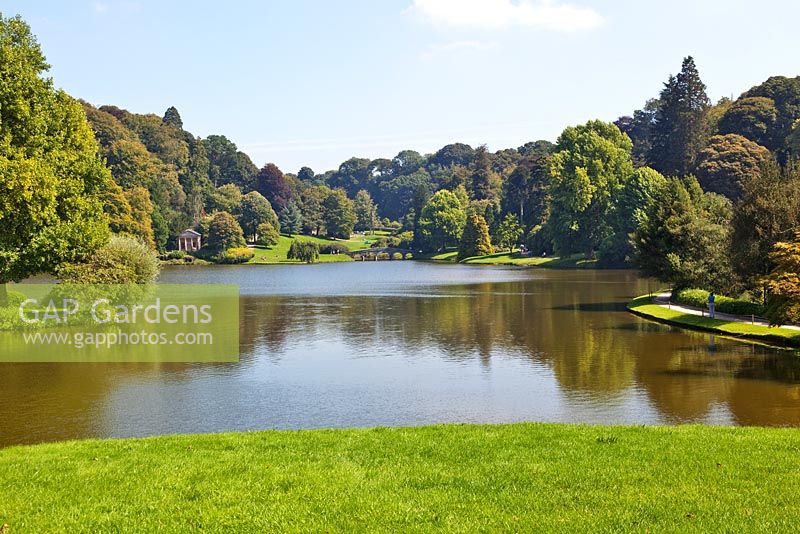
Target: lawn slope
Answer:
pixel 519 478
pixel 644 307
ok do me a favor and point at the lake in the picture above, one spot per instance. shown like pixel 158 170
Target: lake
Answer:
pixel 409 343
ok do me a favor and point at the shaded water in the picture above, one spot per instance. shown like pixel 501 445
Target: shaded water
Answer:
pixel 406 343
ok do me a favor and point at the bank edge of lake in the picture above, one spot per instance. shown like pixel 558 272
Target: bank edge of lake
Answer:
pixel 779 337
pixel 457 478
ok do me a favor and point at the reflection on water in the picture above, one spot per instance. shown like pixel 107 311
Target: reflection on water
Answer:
pixel 405 343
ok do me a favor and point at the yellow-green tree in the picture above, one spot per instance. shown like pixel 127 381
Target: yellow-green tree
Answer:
pixel 783 284
pixel 475 240
pixel 50 174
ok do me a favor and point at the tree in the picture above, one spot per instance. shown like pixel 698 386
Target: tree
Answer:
pixel 305 251
pixel 679 130
pixel 475 240
pixel 291 219
pixel 340 218
pixel 727 162
pixel 366 212
pixel 481 184
pixel 173 118
pixel 682 239
pixel 51 177
pixel 630 207
pixel 311 200
pixel 639 128
pixel 226 197
pixel 442 220
pixel 783 283
pixel 509 232
pixel 123 260
pixel 398 196
pixel 306 175
pixel 268 235
pixel 755 118
pixel 525 190
pixel 224 232
pixel 768 213
pixel 141 209
pixel 785 92
pixel 255 210
pixel 591 164
pixel 353 175
pixel 227 165
pixel 272 184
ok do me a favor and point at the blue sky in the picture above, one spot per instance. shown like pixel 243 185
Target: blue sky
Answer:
pixel 314 82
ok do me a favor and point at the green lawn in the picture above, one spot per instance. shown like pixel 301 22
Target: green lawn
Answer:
pixel 782 336
pixel 277 254
pixel 515 478
pixel 515 258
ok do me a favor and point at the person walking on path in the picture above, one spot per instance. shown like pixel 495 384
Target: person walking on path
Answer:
pixel 711 299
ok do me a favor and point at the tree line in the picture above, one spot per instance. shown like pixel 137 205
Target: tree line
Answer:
pixel 690 192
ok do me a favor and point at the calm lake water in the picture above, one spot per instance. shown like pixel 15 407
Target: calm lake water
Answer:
pixel 406 343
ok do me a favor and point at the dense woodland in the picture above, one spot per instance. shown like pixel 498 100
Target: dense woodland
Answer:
pixel 690 192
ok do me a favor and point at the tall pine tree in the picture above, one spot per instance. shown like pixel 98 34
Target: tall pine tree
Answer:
pixel 679 131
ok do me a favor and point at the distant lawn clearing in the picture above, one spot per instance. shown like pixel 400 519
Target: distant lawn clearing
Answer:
pixel 644 307
pixel 277 254
pixel 515 258
pixel 520 478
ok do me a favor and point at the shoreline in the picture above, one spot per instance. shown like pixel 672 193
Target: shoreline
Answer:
pixel 778 337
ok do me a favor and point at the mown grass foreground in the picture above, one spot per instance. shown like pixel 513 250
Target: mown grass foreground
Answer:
pixel 644 307
pixel 521 477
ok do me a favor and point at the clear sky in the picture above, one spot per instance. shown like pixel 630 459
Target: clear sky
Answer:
pixel 304 82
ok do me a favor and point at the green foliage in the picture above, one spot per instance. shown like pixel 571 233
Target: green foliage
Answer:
pixel 768 212
pixel 442 220
pixel 509 232
pixel 268 236
pixel 680 126
pixel 224 232
pixel 785 93
pixel 482 182
pixel 227 165
pixel 236 255
pixel 255 210
pixel 475 240
pixel 291 219
pixel 639 128
pixel 305 251
pixel 699 299
pixel 366 211
pixel 124 260
pixel 51 177
pixel 683 237
pixel 591 164
pixel 727 162
pixel 783 283
pixel 339 216
pixel 311 206
pixel 755 118
pixel 226 197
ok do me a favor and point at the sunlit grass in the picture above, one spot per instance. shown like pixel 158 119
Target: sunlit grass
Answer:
pixel 277 253
pixel 518 478
pixel 643 306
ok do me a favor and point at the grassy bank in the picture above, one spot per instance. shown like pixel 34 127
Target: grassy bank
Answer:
pixel 776 336
pixel 277 253
pixel 520 478
pixel 516 259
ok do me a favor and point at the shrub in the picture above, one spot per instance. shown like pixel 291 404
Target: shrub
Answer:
pixel 305 251
pixel 409 256
pixel 268 235
pixel 397 256
pixel 124 260
pixel 333 248
pixel 699 299
pixel 383 256
pixel 174 255
pixel 236 255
